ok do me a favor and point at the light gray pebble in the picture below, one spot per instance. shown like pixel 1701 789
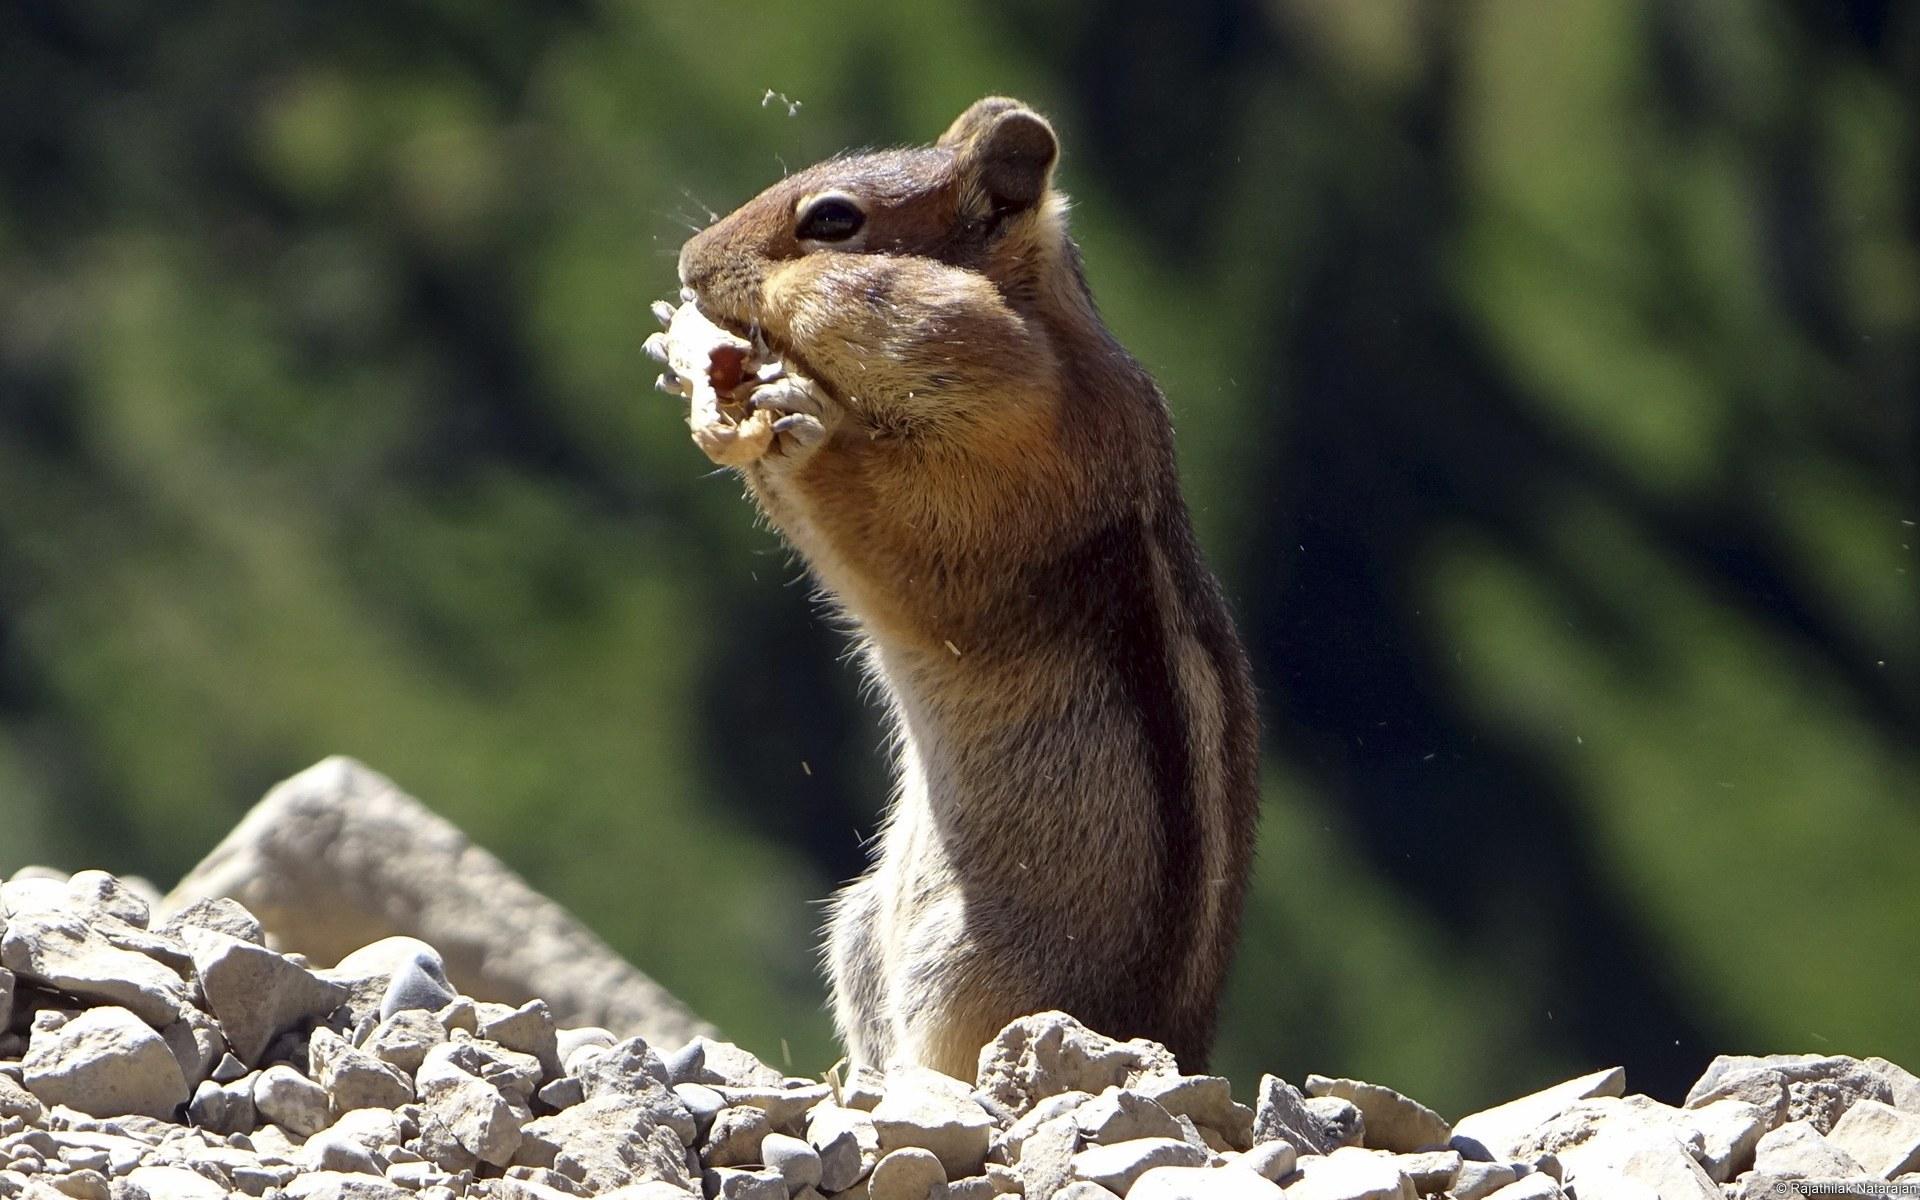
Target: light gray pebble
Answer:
pixel 1273 1160
pixel 734 1140
pixel 1116 1167
pixel 797 1162
pixel 702 1101
pixel 1340 1120
pixel 734 1183
pixel 685 1064
pixel 909 1173
pixel 565 1092
pixel 419 981
pixel 256 994
pixel 528 1029
pixel 84 1184
pixel 101 892
pixel 220 914
pixel 106 1062
pixel 291 1101
pixel 1118 1115
pixel 403 1039
pixel 227 1069
pixel 461 1014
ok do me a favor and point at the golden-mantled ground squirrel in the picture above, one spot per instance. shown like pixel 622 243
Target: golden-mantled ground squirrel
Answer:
pixel 982 478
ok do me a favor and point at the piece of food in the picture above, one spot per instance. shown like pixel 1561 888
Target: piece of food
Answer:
pixel 716 370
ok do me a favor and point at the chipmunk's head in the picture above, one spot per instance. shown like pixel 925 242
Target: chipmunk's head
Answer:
pixel 980 198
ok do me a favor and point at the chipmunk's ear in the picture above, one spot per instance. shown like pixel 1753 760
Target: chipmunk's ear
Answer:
pixel 1007 149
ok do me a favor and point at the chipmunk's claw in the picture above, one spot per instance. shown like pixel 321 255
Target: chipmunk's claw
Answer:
pixel 804 429
pixel 786 395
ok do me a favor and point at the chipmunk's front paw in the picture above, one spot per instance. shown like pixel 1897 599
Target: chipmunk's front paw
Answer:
pixel 802 413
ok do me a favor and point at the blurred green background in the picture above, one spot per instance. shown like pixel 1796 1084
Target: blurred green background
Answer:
pixel 1545 376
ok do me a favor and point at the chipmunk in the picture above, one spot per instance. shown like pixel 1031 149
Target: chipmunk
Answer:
pixel 977 473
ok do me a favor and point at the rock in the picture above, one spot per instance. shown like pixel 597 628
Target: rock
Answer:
pixel 847 1142
pixel 1476 1180
pixel 571 1042
pixel 223 1108
pixel 352 1078
pixel 528 1029
pixel 516 1075
pixel 1903 1085
pixel 197 1045
pixel 356 1143
pixel 710 1061
pixel 338 857
pixel 632 1071
pixel 909 1173
pixel 735 1138
pixel 1651 1158
pixel 1729 1130
pixel 703 1102
pixel 593 1144
pixel 17 1102
pixel 738 1183
pixel 291 1101
pixel 1339 1119
pixel 1281 1113
pixel 566 1091
pixel 1050 1052
pixel 1005 1145
pixel 950 1125
pixel 1762 1087
pixel 256 994
pixel 403 1039
pixel 419 982
pixel 106 1062
pixel 1120 1115
pixel 1115 1167
pixel 797 1162
pixel 64 951
pixel 1082 1190
pixel 1543 1187
pixel 1393 1122
pixel 1349 1173
pixel 97 891
pixel 1272 1160
pixel 1491 1134
pixel 1880 1137
pixel 783 1106
pixel 173 1183
pixel 479 1116
pixel 1819 1087
pixel 227 1069
pixel 1798 1150
pixel 1432 1171
pixel 368 975
pixel 1207 1100
pixel 338 1185
pixel 1199 1183
pixel 218 914
pixel 1045 1163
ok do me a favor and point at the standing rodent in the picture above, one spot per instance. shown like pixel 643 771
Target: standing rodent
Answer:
pixel 984 480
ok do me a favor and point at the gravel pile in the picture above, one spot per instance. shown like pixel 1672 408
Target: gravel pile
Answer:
pixel 187 1059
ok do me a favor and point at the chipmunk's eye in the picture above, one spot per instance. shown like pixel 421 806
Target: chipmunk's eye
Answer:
pixel 829 218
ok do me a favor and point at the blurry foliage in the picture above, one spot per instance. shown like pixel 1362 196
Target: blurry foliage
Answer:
pixel 1546 382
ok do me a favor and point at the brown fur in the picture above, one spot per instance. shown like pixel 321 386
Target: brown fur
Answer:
pixel 995 503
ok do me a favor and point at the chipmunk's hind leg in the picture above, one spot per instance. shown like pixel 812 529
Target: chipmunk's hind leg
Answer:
pixel 854 964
